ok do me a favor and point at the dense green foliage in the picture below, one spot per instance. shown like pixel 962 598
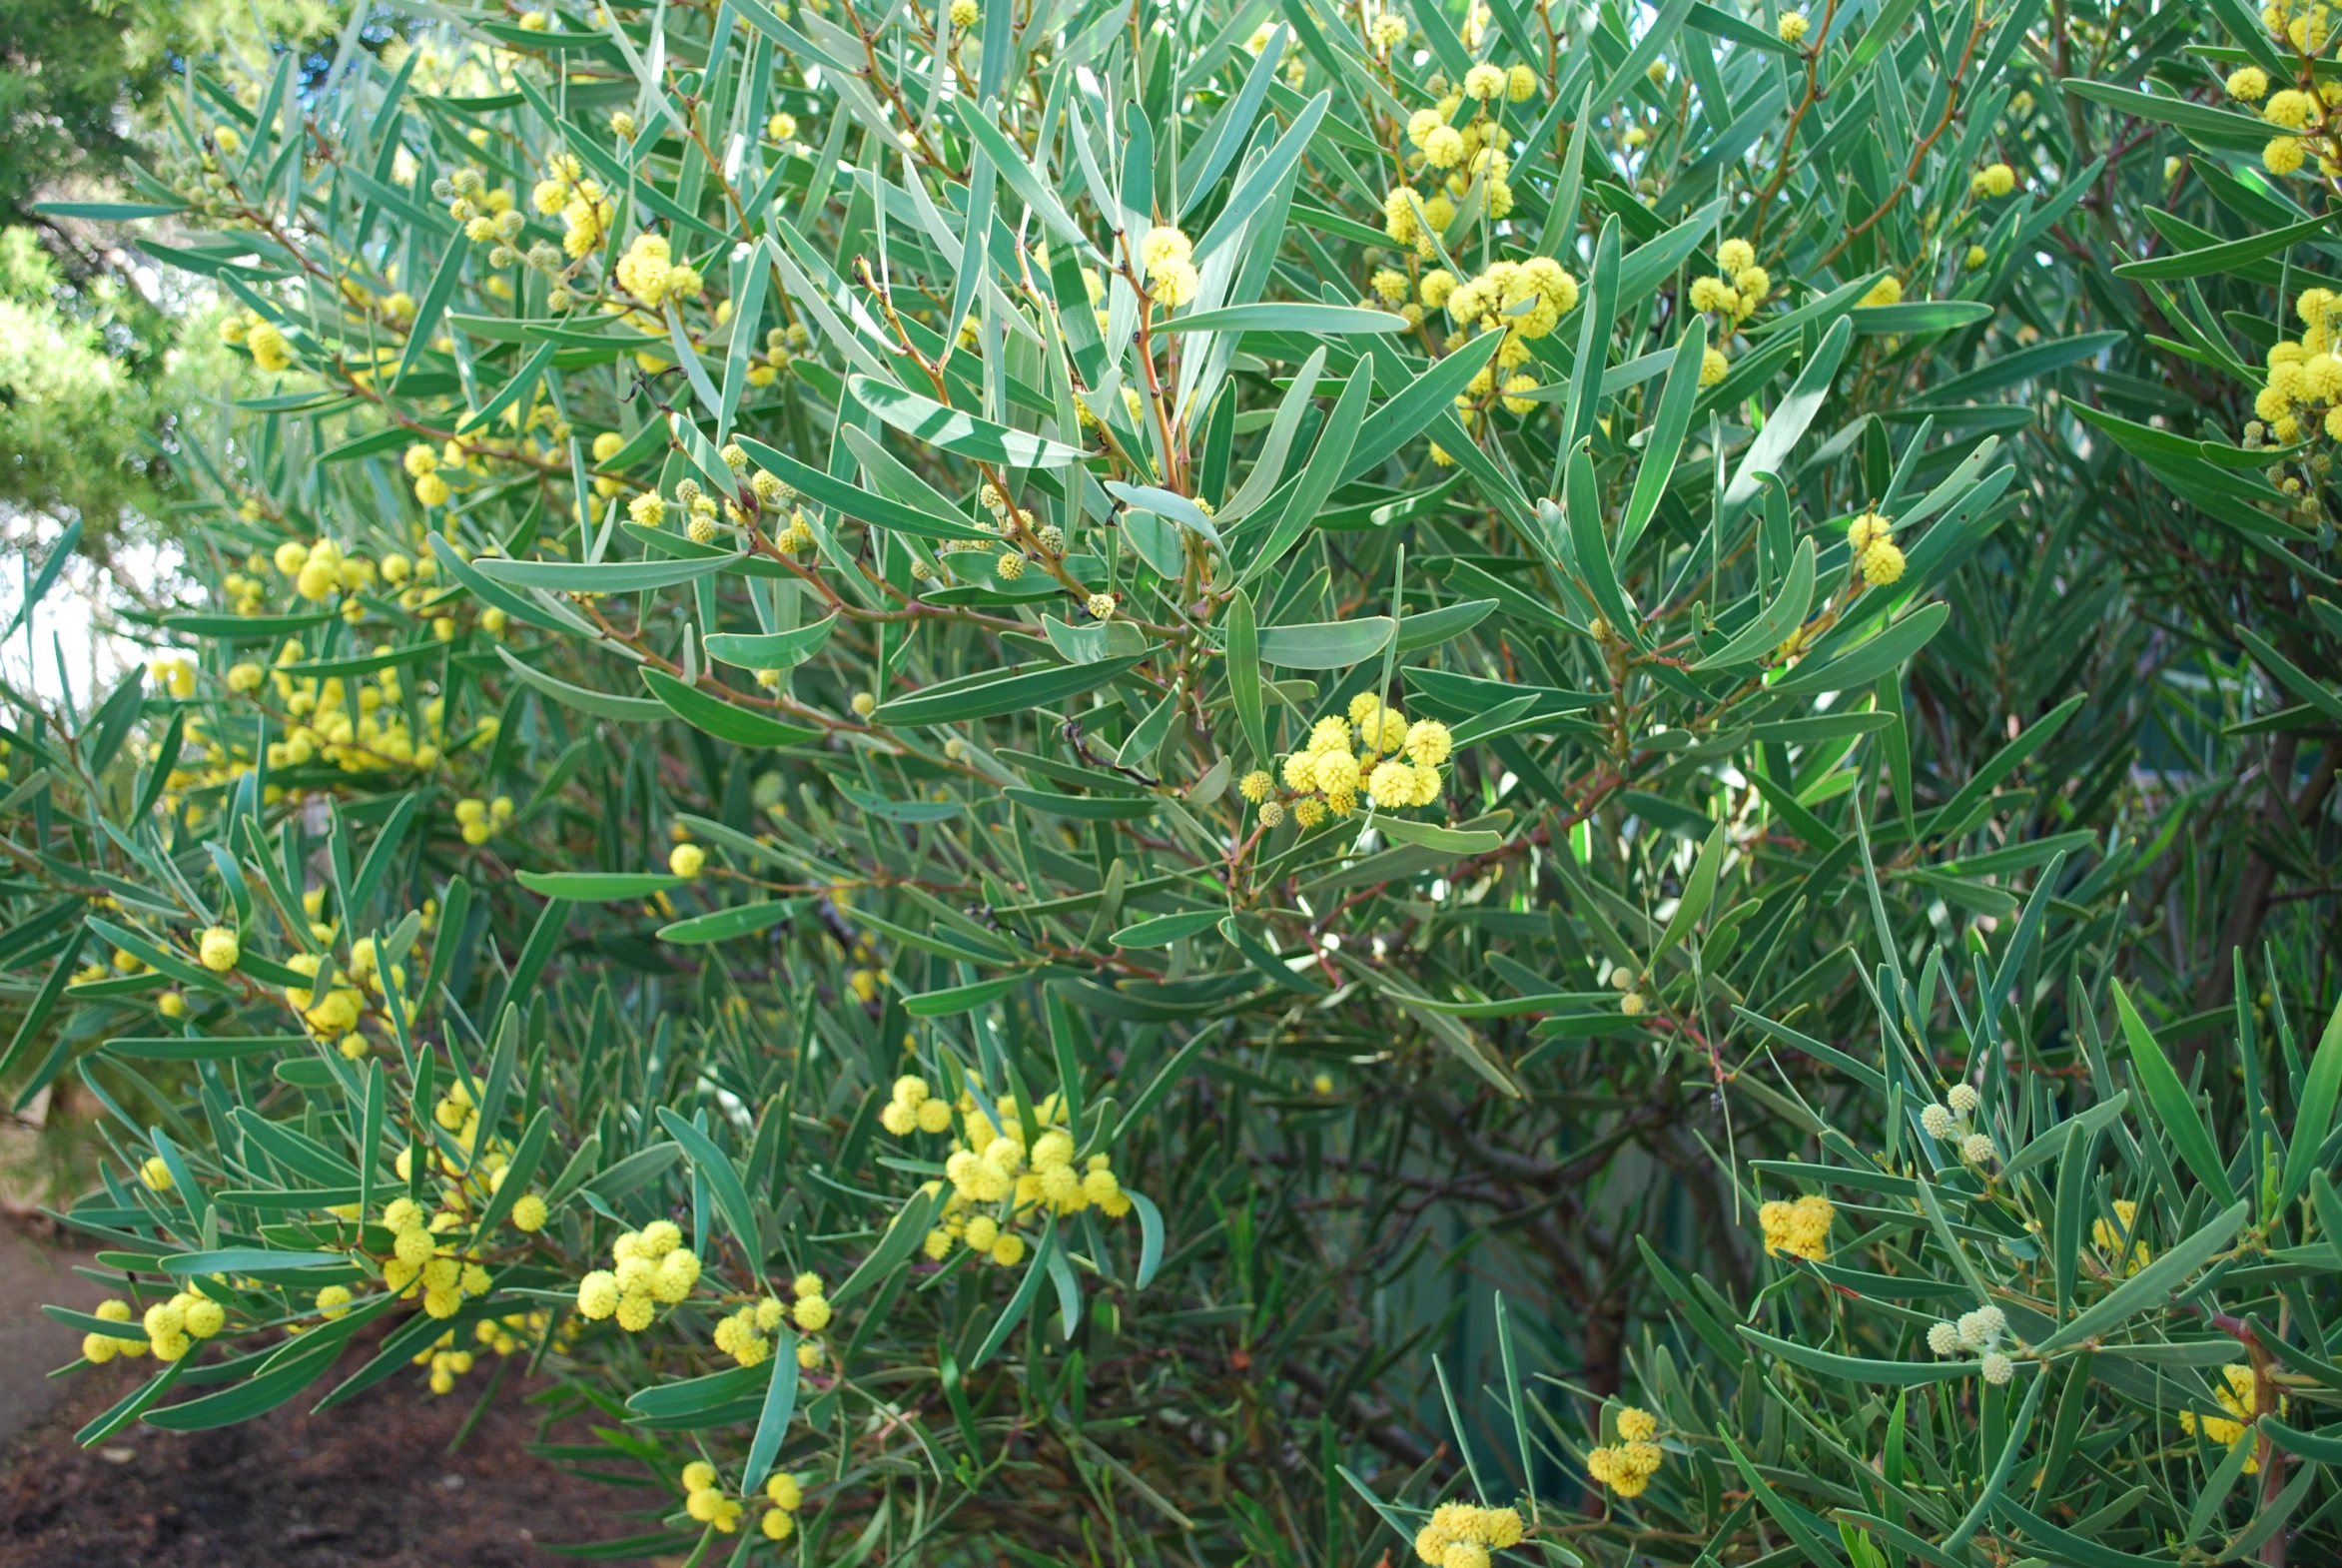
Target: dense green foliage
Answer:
pixel 1352 759
pixel 94 370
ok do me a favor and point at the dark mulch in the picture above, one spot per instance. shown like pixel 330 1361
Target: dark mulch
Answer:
pixel 369 1482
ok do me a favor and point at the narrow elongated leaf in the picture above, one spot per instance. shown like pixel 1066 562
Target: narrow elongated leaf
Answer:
pixel 2173 1107
pixel 772 650
pixel 1789 420
pixel 925 420
pixel 1325 646
pixel 863 504
pixel 725 721
pixel 723 1179
pixel 725 924
pixel 605 577
pixel 772 1423
pixel 1866 663
pixel 1315 319
pixel 1668 428
pixel 1009 694
pixel 600 704
pixel 1772 627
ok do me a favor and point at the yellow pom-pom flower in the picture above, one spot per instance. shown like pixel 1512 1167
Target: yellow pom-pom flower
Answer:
pixel 218 950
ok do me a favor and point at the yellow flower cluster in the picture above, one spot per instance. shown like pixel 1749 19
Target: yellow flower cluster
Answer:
pixel 786 1497
pixel 999 1185
pixel 1626 1467
pixel 1168 258
pixel 706 1502
pixel 2109 1235
pixel 447 1362
pixel 2239 1394
pixel 1738 289
pixel 810 1309
pixel 1799 1228
pixel 1993 180
pixel 485 213
pixel 653 1269
pixel 422 1264
pixel 1522 299
pixel 914 1106
pixel 260 338
pixel 331 1012
pixel 219 948
pixel 1459 1535
pixel 2305 373
pixel 2308 27
pixel 1395 763
pixel 473 1181
pixel 480 819
pixel 320 571
pixel 379 735
pixel 586 209
pixel 1454 156
pixel 742 1336
pixel 175 674
pixel 422 467
pixel 648 271
pixel 171 1326
pixel 1869 538
pixel 335 1010
pixel 101 1348
pixel 507 1334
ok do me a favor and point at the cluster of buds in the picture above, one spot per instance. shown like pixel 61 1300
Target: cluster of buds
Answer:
pixel 1979 1332
pixel 1950 1124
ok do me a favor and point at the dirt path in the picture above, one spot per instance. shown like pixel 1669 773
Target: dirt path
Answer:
pixel 31 1347
pixel 369 1484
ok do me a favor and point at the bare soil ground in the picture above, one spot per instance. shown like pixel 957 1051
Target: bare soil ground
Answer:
pixel 371 1482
